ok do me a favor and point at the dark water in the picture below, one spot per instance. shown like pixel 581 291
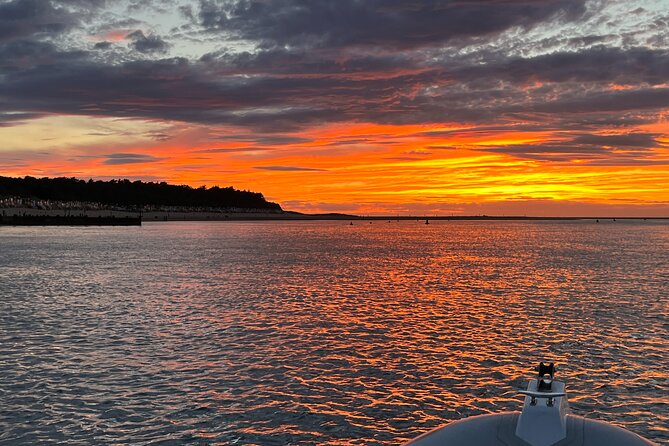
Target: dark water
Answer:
pixel 280 333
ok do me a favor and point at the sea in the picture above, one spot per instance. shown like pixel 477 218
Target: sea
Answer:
pixel 322 332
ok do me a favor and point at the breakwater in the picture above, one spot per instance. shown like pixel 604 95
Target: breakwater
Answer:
pixel 69 220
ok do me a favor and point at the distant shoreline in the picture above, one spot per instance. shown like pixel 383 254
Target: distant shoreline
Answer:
pixel 74 217
pixel 289 215
pixel 499 217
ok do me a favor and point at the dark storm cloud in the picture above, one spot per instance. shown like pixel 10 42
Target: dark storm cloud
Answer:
pixel 20 19
pixel 640 140
pixel 20 55
pixel 139 89
pixel 102 45
pixel 368 61
pixel 598 64
pixel 281 61
pixel 593 121
pixel 593 65
pixel 24 18
pixel 395 23
pixel 607 101
pixel 147 44
pixel 631 148
pixel 176 89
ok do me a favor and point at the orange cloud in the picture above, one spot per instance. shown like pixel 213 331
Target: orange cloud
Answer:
pixel 367 168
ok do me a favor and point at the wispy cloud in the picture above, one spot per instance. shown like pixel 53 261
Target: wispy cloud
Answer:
pixel 289 168
pixel 234 150
pixel 129 158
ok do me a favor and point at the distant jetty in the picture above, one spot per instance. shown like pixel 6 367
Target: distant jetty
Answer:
pixel 69 220
pixel 119 217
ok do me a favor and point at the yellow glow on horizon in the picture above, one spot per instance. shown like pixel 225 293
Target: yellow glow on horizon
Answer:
pixel 345 164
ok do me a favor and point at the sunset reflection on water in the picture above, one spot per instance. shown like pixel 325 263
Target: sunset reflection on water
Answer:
pixel 321 332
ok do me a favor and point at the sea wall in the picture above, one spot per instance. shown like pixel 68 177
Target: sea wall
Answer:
pixel 24 212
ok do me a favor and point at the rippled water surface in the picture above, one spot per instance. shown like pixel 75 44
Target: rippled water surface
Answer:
pixel 277 333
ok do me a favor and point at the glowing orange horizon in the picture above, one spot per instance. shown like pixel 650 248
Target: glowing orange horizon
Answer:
pixel 373 168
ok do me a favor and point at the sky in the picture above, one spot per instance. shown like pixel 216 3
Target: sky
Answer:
pixel 497 107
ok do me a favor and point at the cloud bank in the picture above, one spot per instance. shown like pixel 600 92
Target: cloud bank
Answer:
pixel 590 78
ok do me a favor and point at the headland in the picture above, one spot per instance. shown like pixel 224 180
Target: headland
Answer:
pixel 68 201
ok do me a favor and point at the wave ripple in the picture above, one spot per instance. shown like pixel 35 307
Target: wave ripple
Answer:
pixel 277 333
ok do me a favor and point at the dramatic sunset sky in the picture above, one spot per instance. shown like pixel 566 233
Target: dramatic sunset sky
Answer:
pixel 525 107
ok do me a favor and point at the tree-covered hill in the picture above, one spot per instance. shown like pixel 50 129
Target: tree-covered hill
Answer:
pixel 132 193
